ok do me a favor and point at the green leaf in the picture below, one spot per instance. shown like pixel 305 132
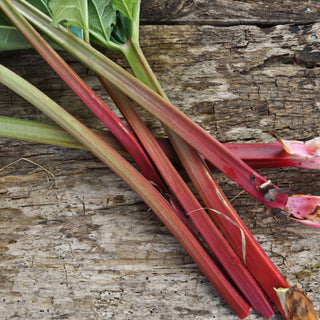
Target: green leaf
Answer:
pixel 12 39
pixel 102 18
pixel 4 21
pixel 45 3
pixel 128 12
pixel 71 13
pixel 121 32
pixel 110 23
pixel 127 7
pixel 42 5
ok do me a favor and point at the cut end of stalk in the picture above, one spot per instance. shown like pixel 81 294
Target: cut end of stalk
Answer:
pixel 296 305
pixel 307 154
pixel 272 193
pixel 304 209
pixel 313 146
pixel 310 148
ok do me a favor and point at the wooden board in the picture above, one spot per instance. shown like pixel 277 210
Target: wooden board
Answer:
pixel 82 245
pixel 230 12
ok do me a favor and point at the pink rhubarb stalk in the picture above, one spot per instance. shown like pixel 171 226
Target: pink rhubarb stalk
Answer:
pixel 285 153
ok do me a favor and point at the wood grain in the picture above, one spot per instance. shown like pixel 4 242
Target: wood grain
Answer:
pixel 230 12
pixel 82 245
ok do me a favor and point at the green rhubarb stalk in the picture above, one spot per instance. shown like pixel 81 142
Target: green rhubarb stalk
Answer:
pixel 39 132
pixel 257 155
pixel 134 179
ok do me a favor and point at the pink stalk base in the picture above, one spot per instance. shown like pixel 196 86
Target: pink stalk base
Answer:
pixel 284 153
pixel 303 205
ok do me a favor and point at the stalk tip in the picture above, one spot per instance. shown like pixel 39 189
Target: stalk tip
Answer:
pixel 295 303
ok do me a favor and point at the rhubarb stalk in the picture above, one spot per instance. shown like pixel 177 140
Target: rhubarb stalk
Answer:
pixel 204 224
pixel 261 188
pixel 220 209
pixel 257 155
pixel 135 180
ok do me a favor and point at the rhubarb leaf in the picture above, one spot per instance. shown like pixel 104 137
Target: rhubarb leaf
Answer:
pixel 112 23
pixel 42 5
pixel 129 14
pixel 127 7
pixel 12 39
pixel 74 13
pixel 109 23
pixel 102 18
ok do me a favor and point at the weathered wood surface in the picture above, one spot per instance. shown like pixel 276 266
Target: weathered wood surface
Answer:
pixel 84 246
pixel 230 12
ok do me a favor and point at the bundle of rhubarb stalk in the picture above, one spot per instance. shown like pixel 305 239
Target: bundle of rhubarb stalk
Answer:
pixel 205 223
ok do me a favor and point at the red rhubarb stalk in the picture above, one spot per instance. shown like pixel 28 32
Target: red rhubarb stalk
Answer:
pixel 135 180
pixel 226 256
pixel 285 153
pixel 258 263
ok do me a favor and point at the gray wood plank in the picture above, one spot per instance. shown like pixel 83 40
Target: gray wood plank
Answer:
pixel 230 12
